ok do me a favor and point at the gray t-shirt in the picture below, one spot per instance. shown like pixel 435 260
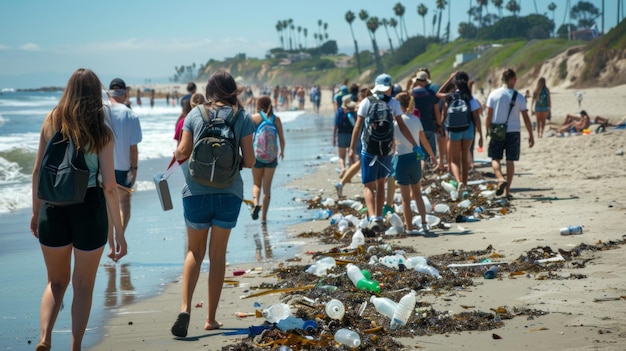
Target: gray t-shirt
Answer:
pixel 242 126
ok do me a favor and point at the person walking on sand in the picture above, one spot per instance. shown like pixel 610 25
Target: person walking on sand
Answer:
pixel 504 106
pixel 376 154
pixel 427 102
pixel 77 230
pixel 207 207
pixel 191 89
pixel 542 104
pixel 407 169
pixel 345 118
pixel 127 129
pixel 264 168
pixel 460 141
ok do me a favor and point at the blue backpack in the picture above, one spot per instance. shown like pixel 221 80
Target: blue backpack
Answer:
pixel 266 140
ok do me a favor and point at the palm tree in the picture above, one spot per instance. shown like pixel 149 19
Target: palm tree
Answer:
pixel 513 6
pixel 481 4
pixel 350 18
pixel 319 29
pixel 552 7
pixel 299 37
pixel 372 25
pixel 279 29
pixel 394 24
pixel 498 5
pixel 315 37
pixel 306 33
pixel 422 10
pixel 399 10
pixel 385 23
pixel 441 5
pixel 326 30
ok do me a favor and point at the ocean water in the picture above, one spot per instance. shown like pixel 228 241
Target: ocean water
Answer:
pixel 156 238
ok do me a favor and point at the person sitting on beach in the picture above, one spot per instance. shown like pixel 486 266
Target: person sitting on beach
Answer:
pixel 407 169
pixel 578 122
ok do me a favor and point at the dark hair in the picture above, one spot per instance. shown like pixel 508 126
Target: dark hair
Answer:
pixel 583 112
pixel 354 88
pixel 404 99
pixel 221 87
pixel 264 103
pixel 191 87
pixel 461 82
pixel 507 75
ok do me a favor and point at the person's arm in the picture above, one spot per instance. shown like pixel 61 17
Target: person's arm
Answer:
pixel 247 151
pixel 183 150
pixel 477 126
pixel 281 136
pixel 529 128
pixel 107 170
pixel 134 161
pixel 44 137
pixel 356 133
pixel 441 93
pixel 488 119
pixel 438 119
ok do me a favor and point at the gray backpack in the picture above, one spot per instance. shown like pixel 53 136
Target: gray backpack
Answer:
pixel 215 160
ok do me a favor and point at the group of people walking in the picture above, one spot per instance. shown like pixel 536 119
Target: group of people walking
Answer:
pixel 433 126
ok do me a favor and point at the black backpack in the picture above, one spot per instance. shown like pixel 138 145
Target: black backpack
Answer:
pixel 347 121
pixel 458 114
pixel 63 175
pixel 378 132
pixel 215 160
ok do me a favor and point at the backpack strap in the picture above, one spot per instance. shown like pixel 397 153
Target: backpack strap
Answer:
pixel 511 104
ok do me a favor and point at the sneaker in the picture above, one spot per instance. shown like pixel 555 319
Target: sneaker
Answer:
pixel 387 209
pixel 339 188
pixel 376 224
pixel 424 229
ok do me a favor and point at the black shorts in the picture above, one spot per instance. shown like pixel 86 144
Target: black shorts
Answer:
pixel 259 164
pixel 85 225
pixel 511 144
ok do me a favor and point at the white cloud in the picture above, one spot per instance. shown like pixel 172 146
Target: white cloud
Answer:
pixel 3 47
pixel 30 47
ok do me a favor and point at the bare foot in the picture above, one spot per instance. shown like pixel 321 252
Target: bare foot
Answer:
pixel 42 346
pixel 212 325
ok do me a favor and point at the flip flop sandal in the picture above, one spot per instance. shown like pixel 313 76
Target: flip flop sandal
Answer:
pixel 501 189
pixel 179 328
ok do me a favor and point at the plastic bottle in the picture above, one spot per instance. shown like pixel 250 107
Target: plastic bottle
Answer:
pixel 357 206
pixel 430 270
pixel 352 219
pixel 328 202
pixel 415 261
pixel 276 312
pixel 358 239
pixel 384 306
pixel 347 337
pixel 360 281
pixel 427 204
pixel 491 273
pixel 442 208
pixel 291 323
pixel 403 310
pixel 322 214
pixel 343 225
pixel 392 261
pixel 395 220
pixel 335 309
pixel 454 195
pixel 321 266
pixel 447 186
pixel 572 230
pixel 464 204
pixel 489 194
pixel 336 218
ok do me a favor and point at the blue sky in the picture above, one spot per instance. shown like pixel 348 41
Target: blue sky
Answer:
pixel 43 41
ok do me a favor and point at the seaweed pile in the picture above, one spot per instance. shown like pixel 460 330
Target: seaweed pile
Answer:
pixel 307 293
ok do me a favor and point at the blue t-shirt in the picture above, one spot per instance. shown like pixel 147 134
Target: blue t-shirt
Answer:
pixel 242 126
pixel 127 130
pixel 344 120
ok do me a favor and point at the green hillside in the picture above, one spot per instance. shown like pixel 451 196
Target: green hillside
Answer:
pixel 526 57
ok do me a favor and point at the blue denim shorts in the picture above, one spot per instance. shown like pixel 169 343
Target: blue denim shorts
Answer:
pixel 205 211
pixel 467 134
pixel 381 168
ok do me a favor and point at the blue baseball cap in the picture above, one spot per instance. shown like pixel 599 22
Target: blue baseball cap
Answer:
pixel 382 83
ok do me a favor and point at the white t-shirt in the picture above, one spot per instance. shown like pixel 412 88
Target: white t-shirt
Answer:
pixel 499 101
pixel 414 125
pixel 393 104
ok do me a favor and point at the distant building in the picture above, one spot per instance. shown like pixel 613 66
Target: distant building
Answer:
pixel 464 57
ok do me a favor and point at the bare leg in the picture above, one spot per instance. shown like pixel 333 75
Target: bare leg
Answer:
pixel 342 160
pixel 391 190
pixel 196 248
pixel 419 201
pixel 257 179
pixel 541 123
pixel 352 170
pixel 380 196
pixel 83 280
pixel 268 176
pixel 495 164
pixel 456 159
pixel 369 195
pixel 58 266
pixel 217 256
pixel 510 172
pixel 405 191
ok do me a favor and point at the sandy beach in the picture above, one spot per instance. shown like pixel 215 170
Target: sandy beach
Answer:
pixel 561 181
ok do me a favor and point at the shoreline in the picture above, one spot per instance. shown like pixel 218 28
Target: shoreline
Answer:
pixel 553 188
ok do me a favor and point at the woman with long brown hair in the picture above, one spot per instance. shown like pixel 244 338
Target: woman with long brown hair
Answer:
pixel 78 230
pixel 542 104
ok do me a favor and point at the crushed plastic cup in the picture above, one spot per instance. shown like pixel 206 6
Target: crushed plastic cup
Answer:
pixel 464 204
pixel 431 220
pixel 489 194
pixel 321 266
pixel 328 202
pixel 441 208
